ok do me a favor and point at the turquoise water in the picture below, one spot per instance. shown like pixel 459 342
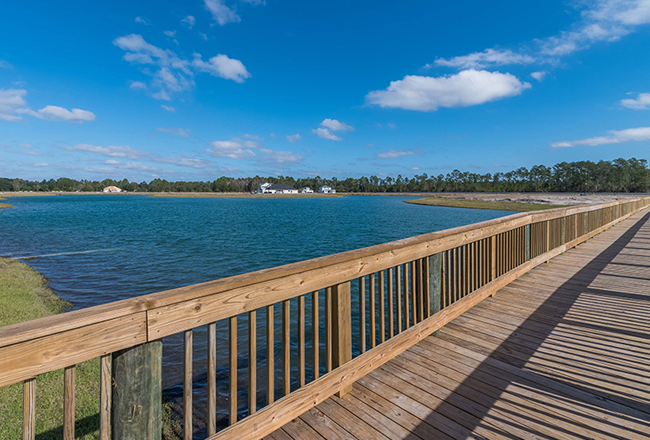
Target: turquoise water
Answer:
pixel 98 249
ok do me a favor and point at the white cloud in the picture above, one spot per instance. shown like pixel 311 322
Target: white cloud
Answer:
pixel 294 138
pixel 394 154
pixel 601 21
pixel 204 36
pixel 326 134
pixel 221 13
pixel 170 33
pixel 253 137
pixel 137 166
pixel 234 149
pixel 175 131
pixel 615 137
pixel 335 125
pixel 189 21
pixel 182 161
pixel 539 76
pixel 642 102
pixel 280 157
pixel 467 88
pixel 10 101
pixel 55 113
pixel 162 95
pixel 391 126
pixel 223 67
pixel 144 21
pixel 110 151
pixel 5 65
pixel 168 108
pixel 489 57
pixel 137 85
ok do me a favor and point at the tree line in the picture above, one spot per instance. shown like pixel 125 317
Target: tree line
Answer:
pixel 619 175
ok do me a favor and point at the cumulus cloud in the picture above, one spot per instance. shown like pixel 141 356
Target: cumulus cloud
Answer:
pixel 170 33
pixel 55 113
pixel 335 125
pixel 467 88
pixel 189 21
pixel 294 138
pixel 221 13
pixel 326 134
pixel 223 67
pixel 280 157
pixel 110 151
pixel 539 76
pixel 233 149
pixel 176 74
pixel 394 154
pixel 642 102
pixel 175 131
pixel 144 21
pixel 10 101
pixel 600 21
pixel 181 161
pixel 137 85
pixel 168 108
pixel 615 137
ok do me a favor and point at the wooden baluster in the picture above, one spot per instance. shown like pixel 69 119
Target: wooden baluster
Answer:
pixel 382 311
pixel 301 340
pixel 105 397
pixel 419 269
pixel 426 286
pixel 371 300
pixel 391 326
pixel 29 409
pixel 315 329
pixel 362 314
pixel 406 295
pixel 341 323
pixel 398 297
pixel 328 329
pixel 187 385
pixel 68 402
pixel 286 347
pixel 270 354
pixel 252 362
pixel 232 367
pixel 212 378
pixel 414 299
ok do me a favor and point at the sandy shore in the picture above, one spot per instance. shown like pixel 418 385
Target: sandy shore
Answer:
pixel 537 198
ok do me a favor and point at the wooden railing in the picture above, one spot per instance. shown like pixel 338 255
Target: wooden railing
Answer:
pixel 351 312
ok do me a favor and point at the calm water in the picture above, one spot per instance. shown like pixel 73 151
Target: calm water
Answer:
pixel 98 249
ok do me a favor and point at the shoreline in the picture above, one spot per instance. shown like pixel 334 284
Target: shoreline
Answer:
pixel 482 204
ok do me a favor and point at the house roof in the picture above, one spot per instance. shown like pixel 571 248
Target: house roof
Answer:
pixel 281 186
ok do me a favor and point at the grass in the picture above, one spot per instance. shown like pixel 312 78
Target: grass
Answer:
pixel 483 204
pixel 25 295
pixel 242 195
pixel 4 205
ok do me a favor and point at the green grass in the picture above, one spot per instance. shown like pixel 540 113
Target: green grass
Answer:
pixel 241 195
pixel 483 204
pixel 4 205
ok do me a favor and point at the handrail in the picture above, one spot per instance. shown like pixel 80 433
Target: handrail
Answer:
pixel 473 262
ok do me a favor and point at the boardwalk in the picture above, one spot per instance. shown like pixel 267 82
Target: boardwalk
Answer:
pixel 562 352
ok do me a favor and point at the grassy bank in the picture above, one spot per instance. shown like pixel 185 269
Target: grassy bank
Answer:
pixel 483 204
pixel 4 205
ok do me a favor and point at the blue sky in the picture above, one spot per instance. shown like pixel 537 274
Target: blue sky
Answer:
pixel 198 89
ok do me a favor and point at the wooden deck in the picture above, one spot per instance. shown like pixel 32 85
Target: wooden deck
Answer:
pixel 562 352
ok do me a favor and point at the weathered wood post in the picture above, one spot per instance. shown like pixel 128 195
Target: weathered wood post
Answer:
pixel 136 411
pixel 586 223
pixel 527 251
pixel 341 328
pixel 493 259
pixel 435 285
pixel 563 233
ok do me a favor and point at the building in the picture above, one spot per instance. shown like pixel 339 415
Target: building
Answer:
pixel 326 189
pixel 306 190
pixel 276 188
pixel 112 189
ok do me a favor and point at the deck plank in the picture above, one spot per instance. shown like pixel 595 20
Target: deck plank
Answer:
pixel 562 352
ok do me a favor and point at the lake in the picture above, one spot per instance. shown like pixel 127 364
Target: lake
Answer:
pixel 95 249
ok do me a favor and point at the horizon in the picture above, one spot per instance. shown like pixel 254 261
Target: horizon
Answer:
pixel 195 91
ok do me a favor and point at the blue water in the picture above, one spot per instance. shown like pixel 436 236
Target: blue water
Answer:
pixel 95 249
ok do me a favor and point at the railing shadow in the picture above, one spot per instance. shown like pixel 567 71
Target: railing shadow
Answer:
pixel 540 326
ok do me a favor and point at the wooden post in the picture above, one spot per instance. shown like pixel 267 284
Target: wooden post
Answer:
pixel 527 256
pixel 137 393
pixel 587 223
pixel 341 326
pixel 435 285
pixel 493 259
pixel 563 236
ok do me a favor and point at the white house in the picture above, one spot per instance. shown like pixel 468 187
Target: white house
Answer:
pixel 112 189
pixel 276 188
pixel 306 190
pixel 325 189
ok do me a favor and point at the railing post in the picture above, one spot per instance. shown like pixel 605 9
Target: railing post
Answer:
pixel 563 236
pixel 137 393
pixel 586 223
pixel 341 328
pixel 527 255
pixel 435 285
